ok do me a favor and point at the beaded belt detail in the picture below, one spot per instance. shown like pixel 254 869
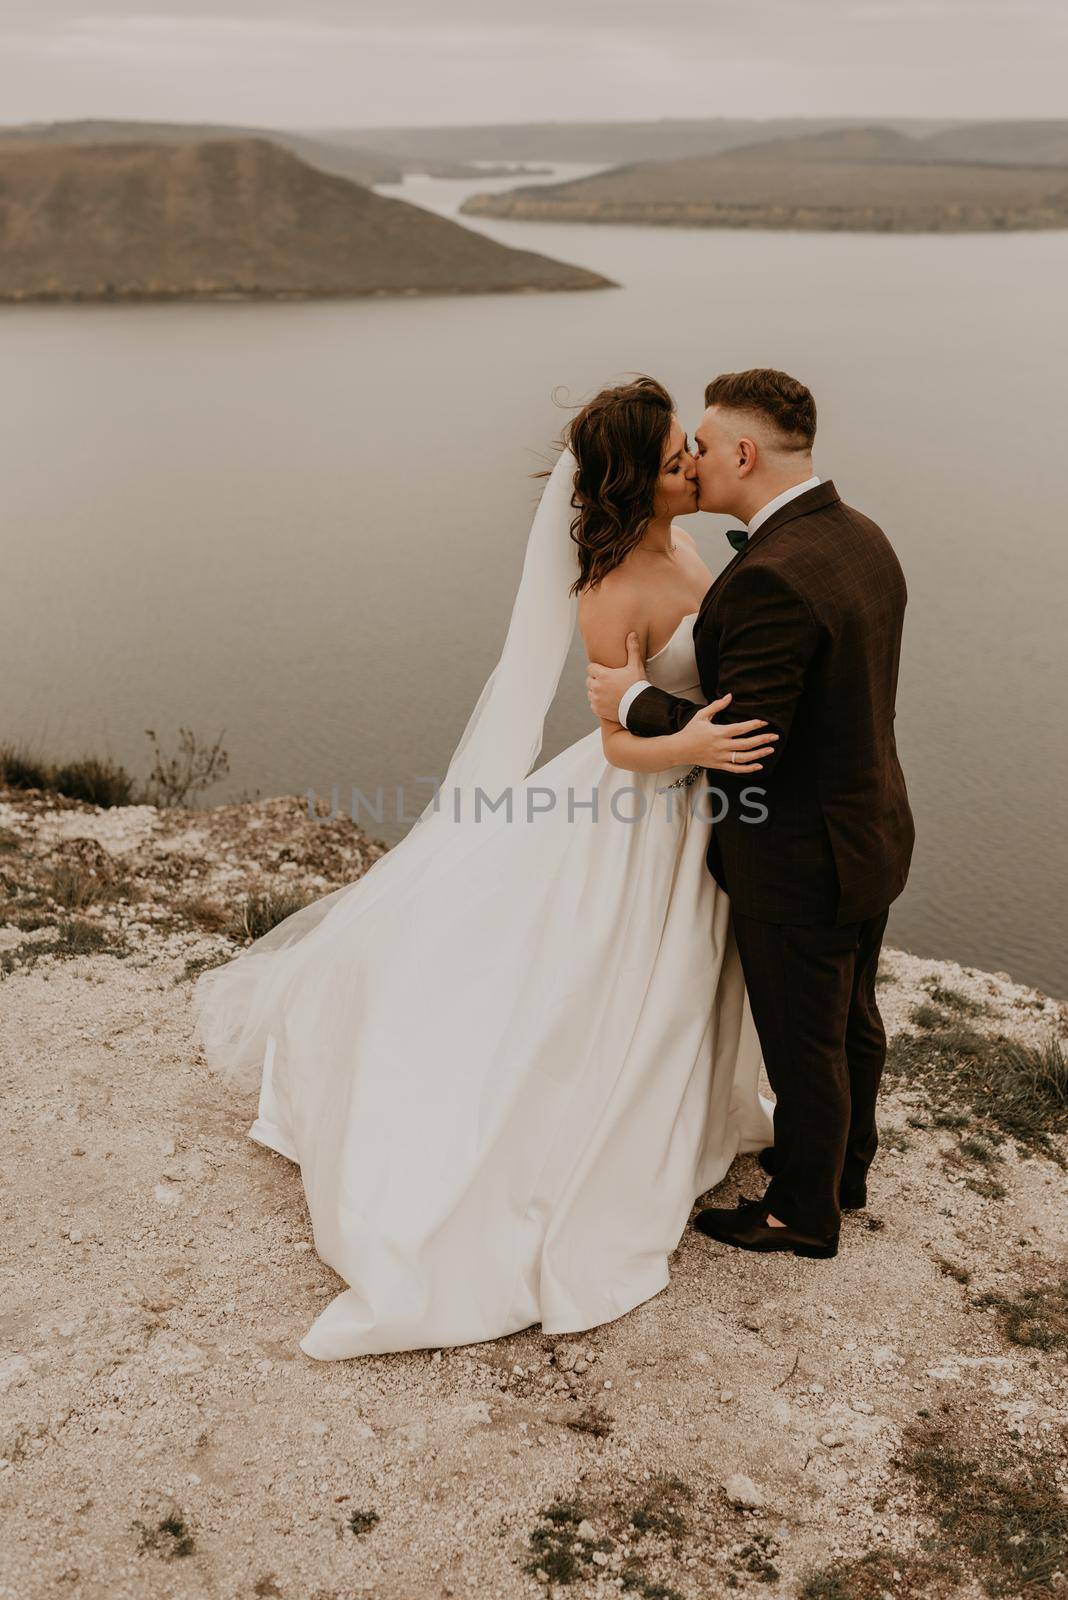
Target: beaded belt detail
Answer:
pixel 691 777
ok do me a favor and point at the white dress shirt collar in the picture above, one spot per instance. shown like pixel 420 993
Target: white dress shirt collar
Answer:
pixel 761 517
pixel 780 500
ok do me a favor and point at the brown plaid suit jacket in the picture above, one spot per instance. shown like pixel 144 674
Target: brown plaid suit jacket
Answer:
pixel 803 628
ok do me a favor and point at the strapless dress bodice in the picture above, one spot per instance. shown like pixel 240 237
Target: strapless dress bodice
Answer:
pixel 674 667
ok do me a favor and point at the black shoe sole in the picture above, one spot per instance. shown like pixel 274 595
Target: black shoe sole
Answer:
pixel 816 1252
pixel 847 1202
pixel 813 1252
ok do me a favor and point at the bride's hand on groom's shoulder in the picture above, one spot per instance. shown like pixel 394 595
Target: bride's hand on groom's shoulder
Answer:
pixel 725 746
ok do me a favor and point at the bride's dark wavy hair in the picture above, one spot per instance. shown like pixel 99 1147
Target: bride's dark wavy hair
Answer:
pixel 618 442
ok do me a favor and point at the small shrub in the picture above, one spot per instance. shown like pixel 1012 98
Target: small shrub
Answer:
pixel 195 965
pixel 562 1513
pixel 204 912
pixel 73 937
pixel 1008 1527
pixel 74 887
pixel 1035 1094
pixel 551 1543
pixel 873 1575
pixel 976 1149
pixel 1015 1089
pixel 634 1581
pixel 20 769
pixel 1036 1318
pixel 755 1558
pixel 955 1000
pixel 986 1187
pixel 169 1538
pixel 262 912
pixel 363 1521
pixel 659 1511
pixel 950 1269
pixel 950 1119
pixel 98 782
pixel 79 938
pixel 926 1015
pixel 593 1421
pixel 556 1547
pixel 173 779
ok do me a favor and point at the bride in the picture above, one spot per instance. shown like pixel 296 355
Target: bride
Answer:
pixel 510 1056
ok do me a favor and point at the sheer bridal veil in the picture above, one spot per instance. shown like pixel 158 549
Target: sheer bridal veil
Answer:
pixel 238 1004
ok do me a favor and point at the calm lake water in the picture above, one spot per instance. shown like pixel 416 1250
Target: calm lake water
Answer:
pixel 304 523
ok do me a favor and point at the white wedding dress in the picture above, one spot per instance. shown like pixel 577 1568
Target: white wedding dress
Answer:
pixel 506 1071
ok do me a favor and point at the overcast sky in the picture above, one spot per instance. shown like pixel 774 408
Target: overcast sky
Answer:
pixel 308 63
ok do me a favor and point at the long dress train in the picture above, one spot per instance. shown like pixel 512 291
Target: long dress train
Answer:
pixel 507 1081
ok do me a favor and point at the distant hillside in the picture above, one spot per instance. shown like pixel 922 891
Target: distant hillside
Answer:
pixel 668 139
pixel 361 166
pixel 342 157
pixel 836 145
pixel 231 217
pixel 1026 143
pixel 1029 143
pixel 859 179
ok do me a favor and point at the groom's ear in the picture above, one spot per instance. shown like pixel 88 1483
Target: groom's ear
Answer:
pixel 747 456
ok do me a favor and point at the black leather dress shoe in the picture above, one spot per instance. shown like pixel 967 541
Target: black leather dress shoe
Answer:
pixel 850 1197
pixel 746 1227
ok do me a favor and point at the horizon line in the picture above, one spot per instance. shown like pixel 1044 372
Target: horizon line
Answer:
pixel 868 119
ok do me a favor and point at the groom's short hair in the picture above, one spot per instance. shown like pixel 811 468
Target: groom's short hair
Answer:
pixel 775 396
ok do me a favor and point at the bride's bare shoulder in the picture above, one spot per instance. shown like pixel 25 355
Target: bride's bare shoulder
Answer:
pixel 607 611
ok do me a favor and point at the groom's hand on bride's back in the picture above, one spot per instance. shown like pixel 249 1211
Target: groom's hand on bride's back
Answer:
pixel 606 686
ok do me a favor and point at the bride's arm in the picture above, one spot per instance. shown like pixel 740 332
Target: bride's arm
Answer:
pixel 701 743
pixel 605 619
pixel 627 751
pixel 605 623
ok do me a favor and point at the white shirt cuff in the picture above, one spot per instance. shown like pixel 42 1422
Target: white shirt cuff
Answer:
pixel 629 698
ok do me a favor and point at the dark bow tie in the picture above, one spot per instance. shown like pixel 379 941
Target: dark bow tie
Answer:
pixel 739 537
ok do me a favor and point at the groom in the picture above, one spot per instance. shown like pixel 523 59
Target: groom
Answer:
pixel 802 628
